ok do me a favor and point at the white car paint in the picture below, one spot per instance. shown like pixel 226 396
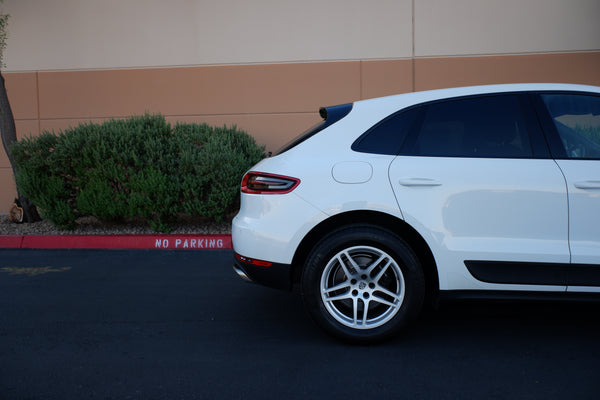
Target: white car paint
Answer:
pixel 527 210
pixel 484 209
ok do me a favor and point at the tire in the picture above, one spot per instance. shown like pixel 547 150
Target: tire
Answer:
pixel 362 284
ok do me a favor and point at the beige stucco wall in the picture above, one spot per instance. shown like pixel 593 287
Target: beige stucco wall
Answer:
pixel 91 34
pixel 141 33
pixel 268 65
pixel 476 27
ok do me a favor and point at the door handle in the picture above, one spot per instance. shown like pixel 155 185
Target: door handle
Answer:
pixel 587 185
pixel 411 182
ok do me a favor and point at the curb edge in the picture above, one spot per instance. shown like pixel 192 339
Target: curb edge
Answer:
pixel 162 242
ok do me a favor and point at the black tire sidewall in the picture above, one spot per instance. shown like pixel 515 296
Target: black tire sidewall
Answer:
pixel 362 235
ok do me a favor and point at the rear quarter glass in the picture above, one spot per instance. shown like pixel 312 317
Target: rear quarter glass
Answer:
pixel 330 116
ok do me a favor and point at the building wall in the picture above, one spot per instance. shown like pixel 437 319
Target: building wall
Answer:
pixel 268 65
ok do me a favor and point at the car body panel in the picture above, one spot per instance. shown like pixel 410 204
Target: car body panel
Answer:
pixel 265 221
pixel 484 209
pixel 267 218
pixel 583 183
pixel 527 210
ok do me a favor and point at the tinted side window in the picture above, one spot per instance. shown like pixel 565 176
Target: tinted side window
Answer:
pixel 577 121
pixel 489 126
pixel 388 135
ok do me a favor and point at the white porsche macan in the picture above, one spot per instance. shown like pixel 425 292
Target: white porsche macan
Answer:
pixel 486 191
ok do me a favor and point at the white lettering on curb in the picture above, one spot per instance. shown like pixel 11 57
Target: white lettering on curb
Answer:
pixel 161 244
pixel 189 243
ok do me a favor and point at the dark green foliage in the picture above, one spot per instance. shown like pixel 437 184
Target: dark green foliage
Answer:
pixel 139 167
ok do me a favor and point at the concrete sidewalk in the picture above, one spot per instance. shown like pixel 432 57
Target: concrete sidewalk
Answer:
pixel 157 241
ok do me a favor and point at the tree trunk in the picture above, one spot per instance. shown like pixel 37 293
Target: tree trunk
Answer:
pixel 9 136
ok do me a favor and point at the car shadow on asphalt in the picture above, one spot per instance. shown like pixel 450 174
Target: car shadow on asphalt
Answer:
pixel 543 320
pixel 459 319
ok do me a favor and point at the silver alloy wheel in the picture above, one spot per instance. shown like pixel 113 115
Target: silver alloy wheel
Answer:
pixel 362 287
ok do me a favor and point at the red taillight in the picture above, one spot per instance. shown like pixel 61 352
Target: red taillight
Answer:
pixel 263 183
pixel 253 261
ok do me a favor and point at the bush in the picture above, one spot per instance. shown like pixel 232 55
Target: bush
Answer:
pixel 138 167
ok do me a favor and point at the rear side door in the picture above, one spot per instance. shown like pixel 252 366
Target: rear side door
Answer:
pixel 572 124
pixel 476 180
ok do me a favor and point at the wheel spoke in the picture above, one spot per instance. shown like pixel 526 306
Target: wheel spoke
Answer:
pixel 383 301
pixel 365 312
pixel 355 311
pixel 342 296
pixel 340 286
pixel 375 264
pixel 380 273
pixel 393 295
pixel 343 264
pixel 355 266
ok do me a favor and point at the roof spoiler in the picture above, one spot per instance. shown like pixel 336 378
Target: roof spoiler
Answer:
pixel 334 113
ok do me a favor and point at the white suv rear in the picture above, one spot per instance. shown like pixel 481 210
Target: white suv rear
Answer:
pixel 465 192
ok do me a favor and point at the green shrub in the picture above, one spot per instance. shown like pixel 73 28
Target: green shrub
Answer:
pixel 138 167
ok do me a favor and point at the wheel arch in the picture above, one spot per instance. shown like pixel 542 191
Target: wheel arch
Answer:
pixel 378 219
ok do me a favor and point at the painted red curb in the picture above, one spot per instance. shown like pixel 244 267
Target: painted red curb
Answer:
pixel 175 242
pixel 11 242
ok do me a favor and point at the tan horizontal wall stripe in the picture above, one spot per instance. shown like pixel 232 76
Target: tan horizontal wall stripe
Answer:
pixel 8 191
pixel 22 91
pixel 273 102
pixel 7 184
pixel 24 128
pixel 4 160
pixel 434 73
pixel 245 89
pixel 385 77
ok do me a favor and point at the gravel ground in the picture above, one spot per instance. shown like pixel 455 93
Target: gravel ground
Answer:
pixel 92 226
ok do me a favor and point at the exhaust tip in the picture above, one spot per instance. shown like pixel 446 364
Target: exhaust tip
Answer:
pixel 242 274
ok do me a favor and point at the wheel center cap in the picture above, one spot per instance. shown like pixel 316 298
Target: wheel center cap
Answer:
pixel 362 285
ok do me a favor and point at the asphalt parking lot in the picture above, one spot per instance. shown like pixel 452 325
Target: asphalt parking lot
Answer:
pixel 178 324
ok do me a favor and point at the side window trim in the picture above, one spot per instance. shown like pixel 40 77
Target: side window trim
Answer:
pixel 557 149
pixel 413 134
pixel 539 144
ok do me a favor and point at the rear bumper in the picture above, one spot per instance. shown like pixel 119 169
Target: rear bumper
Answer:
pixel 278 276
